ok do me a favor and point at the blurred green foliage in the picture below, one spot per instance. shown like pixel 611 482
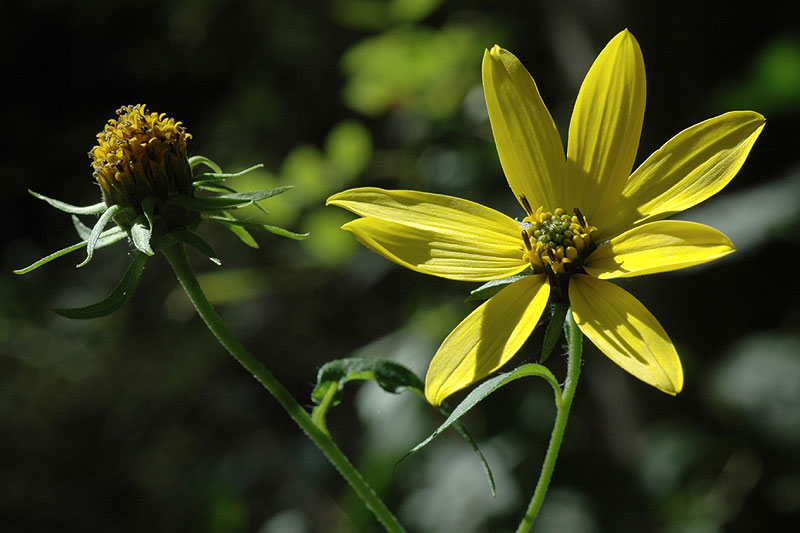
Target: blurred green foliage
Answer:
pixel 140 422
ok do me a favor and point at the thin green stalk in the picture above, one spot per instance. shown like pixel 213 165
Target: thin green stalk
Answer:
pixel 563 405
pixel 176 255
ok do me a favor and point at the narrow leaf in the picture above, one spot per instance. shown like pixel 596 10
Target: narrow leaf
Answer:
pixel 486 388
pixel 254 225
pixel 83 230
pixel 219 175
pixel 195 241
pixel 94 209
pixel 91 242
pixel 490 288
pixel 122 293
pixel 553 331
pixel 196 160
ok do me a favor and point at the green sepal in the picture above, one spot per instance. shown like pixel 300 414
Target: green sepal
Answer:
pixel 219 175
pixel 391 377
pixel 225 201
pixel 82 229
pixel 94 209
pixel 214 187
pixel 228 221
pixel 553 331
pixel 196 160
pixel 490 288
pixel 98 228
pixel 122 293
pixel 195 241
pixel 106 238
pixel 141 235
pixel 483 390
pixel 254 225
pixel 149 209
pixel 142 229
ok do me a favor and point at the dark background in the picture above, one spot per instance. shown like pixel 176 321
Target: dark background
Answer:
pixel 140 422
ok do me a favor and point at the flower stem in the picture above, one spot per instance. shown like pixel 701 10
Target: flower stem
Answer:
pixel 563 405
pixel 176 255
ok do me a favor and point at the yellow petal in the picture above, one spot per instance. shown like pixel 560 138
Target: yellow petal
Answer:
pixel 487 338
pixel 657 247
pixel 452 255
pixel 433 212
pixel 623 329
pixel 528 143
pixel 605 128
pixel 692 166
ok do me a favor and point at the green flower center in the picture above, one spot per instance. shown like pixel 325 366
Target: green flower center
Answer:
pixel 556 242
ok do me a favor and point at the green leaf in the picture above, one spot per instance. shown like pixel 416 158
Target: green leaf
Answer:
pixel 91 242
pixel 553 331
pixel 485 389
pixel 490 288
pixel 94 209
pixel 390 376
pixel 196 160
pixel 106 238
pixel 219 175
pixel 122 293
pixel 82 229
pixel 195 241
pixel 254 225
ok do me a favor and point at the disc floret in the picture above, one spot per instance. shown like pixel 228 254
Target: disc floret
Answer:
pixel 141 154
pixel 556 242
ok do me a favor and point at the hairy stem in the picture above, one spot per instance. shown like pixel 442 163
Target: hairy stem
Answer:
pixel 563 405
pixel 176 255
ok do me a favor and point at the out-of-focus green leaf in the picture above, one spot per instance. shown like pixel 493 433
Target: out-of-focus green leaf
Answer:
pixel 348 149
pixel 330 245
pixel 424 70
pixel 379 14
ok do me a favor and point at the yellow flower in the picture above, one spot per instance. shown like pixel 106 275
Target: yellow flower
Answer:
pixel 142 154
pixel 588 219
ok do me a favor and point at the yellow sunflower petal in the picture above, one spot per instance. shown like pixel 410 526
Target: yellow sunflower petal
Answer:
pixel 623 329
pixel 433 212
pixel 487 338
pixel 451 255
pixel 692 166
pixel 528 143
pixel 605 128
pixel 657 247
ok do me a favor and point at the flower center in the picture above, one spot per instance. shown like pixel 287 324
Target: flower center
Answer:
pixel 141 154
pixel 556 242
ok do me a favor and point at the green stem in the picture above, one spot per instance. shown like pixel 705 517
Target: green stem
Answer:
pixel 563 405
pixel 176 255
